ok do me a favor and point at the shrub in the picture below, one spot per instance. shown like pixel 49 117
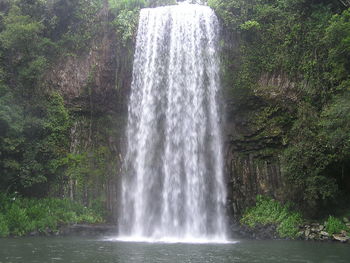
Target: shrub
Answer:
pixel 334 225
pixel 19 216
pixel 269 211
pixel 288 227
pixel 41 216
pixel 18 220
pixel 4 231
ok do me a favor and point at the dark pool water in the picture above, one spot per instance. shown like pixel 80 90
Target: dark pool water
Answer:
pixel 67 249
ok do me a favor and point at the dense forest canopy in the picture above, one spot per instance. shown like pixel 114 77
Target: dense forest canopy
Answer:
pixel 306 42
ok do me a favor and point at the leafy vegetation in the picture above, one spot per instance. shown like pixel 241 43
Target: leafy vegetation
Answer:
pixel 334 225
pixel 269 211
pixel 126 18
pixel 20 216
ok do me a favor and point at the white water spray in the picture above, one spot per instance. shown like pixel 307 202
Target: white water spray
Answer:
pixel 173 187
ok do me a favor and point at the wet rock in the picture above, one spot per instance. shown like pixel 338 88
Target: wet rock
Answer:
pixel 88 230
pixel 48 232
pixel 341 238
pixel 321 227
pixel 324 238
pixel 259 231
pixel 307 233
pixel 346 220
pixel 312 236
pixel 324 233
pixel 34 233
pixel 344 233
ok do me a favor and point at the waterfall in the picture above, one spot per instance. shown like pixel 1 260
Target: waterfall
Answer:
pixel 173 187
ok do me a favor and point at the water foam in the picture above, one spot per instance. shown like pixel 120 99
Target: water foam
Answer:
pixel 173 188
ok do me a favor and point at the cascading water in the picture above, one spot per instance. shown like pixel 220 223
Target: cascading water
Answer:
pixel 173 187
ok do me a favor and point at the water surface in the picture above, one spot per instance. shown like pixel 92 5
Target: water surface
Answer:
pixel 68 249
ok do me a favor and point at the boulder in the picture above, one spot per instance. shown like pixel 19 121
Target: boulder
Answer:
pixel 344 233
pixel 324 238
pixel 341 238
pixel 34 233
pixel 312 236
pixel 324 233
pixel 307 233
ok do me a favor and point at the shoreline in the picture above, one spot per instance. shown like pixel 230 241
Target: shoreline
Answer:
pixel 308 232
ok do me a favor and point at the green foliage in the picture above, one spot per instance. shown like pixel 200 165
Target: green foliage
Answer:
pixel 32 146
pixel 269 211
pixel 19 216
pixel 88 171
pixel 18 220
pixel 118 5
pixel 305 46
pixel 4 230
pixel 156 3
pixel 20 30
pixel 34 122
pixel 334 124
pixel 126 24
pixel 288 227
pixel 78 22
pixel 126 18
pixel 232 12
pixel 21 40
pixel 306 159
pixel 337 38
pixel 334 225
pixel 249 25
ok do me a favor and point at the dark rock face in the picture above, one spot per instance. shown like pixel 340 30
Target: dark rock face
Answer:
pixel 250 171
pixel 260 232
pixel 252 160
pixel 264 232
pixel 79 230
pixel 250 176
pixel 87 81
pixel 88 230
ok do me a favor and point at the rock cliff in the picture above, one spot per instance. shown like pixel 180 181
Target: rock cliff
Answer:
pixel 95 85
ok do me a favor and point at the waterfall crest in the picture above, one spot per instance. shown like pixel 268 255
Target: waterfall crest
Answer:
pixel 173 187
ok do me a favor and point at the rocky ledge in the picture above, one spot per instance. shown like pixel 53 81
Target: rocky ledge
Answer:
pixel 309 231
pixel 259 232
pixel 78 230
pixel 317 231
